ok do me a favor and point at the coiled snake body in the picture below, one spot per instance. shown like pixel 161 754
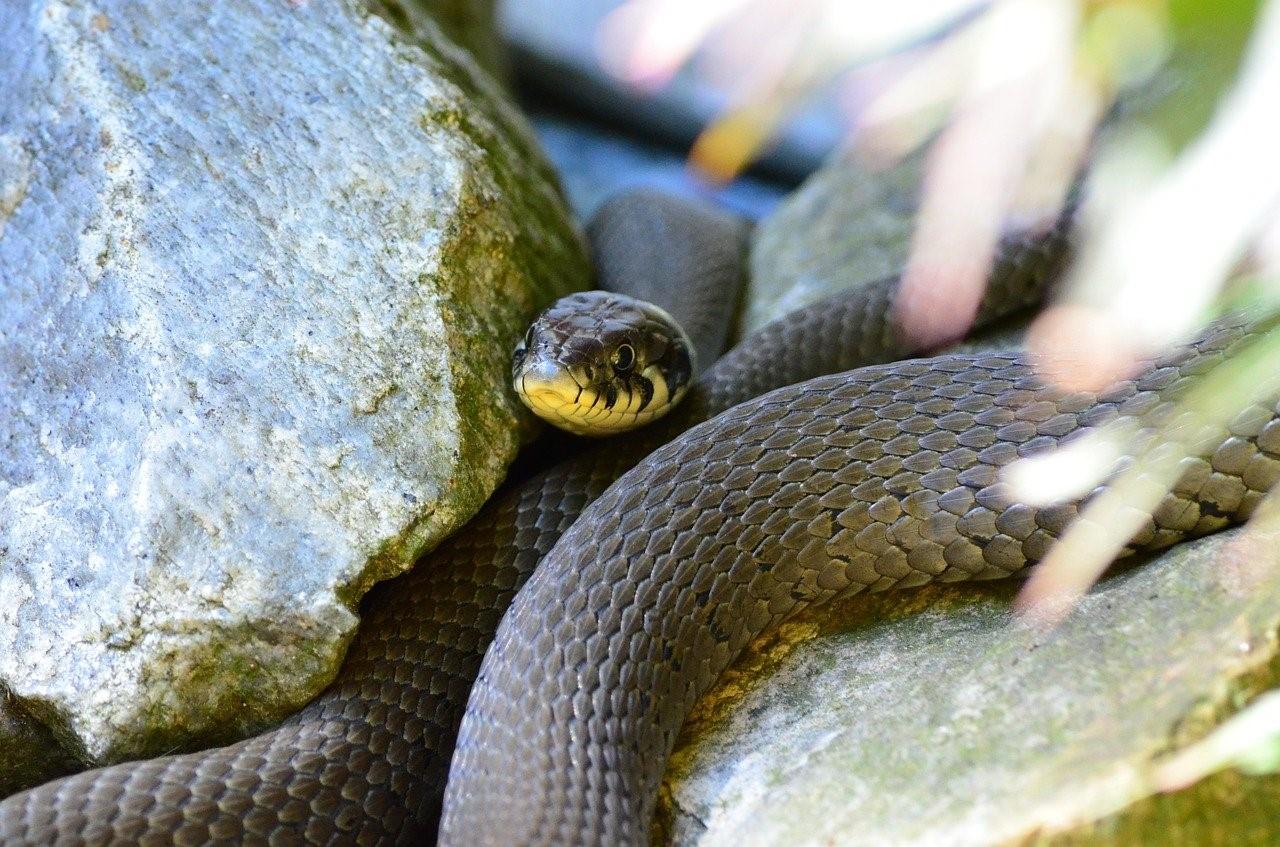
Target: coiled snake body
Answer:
pixel 879 478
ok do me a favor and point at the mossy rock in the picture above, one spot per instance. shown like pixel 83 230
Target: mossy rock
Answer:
pixel 471 24
pixel 937 717
pixel 262 267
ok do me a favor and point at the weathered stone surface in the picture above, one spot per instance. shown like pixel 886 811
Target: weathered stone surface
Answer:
pixel 261 265
pixel 846 226
pixel 935 717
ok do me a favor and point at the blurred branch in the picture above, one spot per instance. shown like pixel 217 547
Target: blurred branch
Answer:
pixel 1151 267
pixel 1249 741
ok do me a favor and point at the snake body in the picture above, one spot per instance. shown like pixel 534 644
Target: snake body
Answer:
pixel 366 761
pixel 878 478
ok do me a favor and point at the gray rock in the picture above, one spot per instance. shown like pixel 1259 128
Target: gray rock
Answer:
pixel 846 226
pixel 262 265
pixel 935 717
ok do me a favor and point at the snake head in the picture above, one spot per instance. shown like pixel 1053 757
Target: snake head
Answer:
pixel 598 363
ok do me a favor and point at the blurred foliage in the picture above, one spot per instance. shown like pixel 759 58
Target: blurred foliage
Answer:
pixel 1209 38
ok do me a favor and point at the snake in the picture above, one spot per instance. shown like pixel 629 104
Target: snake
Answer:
pixel 598 364
pixel 577 616
pixel 879 478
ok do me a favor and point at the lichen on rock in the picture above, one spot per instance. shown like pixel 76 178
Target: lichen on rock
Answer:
pixel 937 717
pixel 261 266
pixel 847 226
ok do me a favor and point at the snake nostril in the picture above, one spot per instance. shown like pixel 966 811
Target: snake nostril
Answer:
pixel 541 370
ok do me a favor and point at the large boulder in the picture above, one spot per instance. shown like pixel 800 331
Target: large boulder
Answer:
pixel 937 717
pixel 261 267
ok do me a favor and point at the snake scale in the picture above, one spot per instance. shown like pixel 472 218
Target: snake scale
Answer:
pixel 879 478
pixel 596 665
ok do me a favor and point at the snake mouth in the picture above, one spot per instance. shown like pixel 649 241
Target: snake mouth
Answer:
pixel 547 388
pixel 555 394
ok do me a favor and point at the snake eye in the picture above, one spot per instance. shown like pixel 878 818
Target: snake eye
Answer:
pixel 624 357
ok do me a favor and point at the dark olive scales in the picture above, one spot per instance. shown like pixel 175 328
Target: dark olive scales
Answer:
pixel 880 478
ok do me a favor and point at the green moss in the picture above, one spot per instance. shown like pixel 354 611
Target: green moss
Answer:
pixel 470 24
pixel 29 752
pixel 243 695
pixel 133 79
pixel 1224 809
pixel 512 215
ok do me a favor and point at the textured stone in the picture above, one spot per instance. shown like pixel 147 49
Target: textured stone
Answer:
pixel 935 717
pixel 846 226
pixel 261 267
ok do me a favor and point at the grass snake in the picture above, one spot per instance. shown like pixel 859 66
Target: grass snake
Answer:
pixel 877 478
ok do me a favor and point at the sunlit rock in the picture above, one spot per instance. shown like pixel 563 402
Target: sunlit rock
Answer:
pixel 936 717
pixel 261 267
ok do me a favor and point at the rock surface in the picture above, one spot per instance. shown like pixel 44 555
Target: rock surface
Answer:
pixel 846 226
pixel 261 265
pixel 934 717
